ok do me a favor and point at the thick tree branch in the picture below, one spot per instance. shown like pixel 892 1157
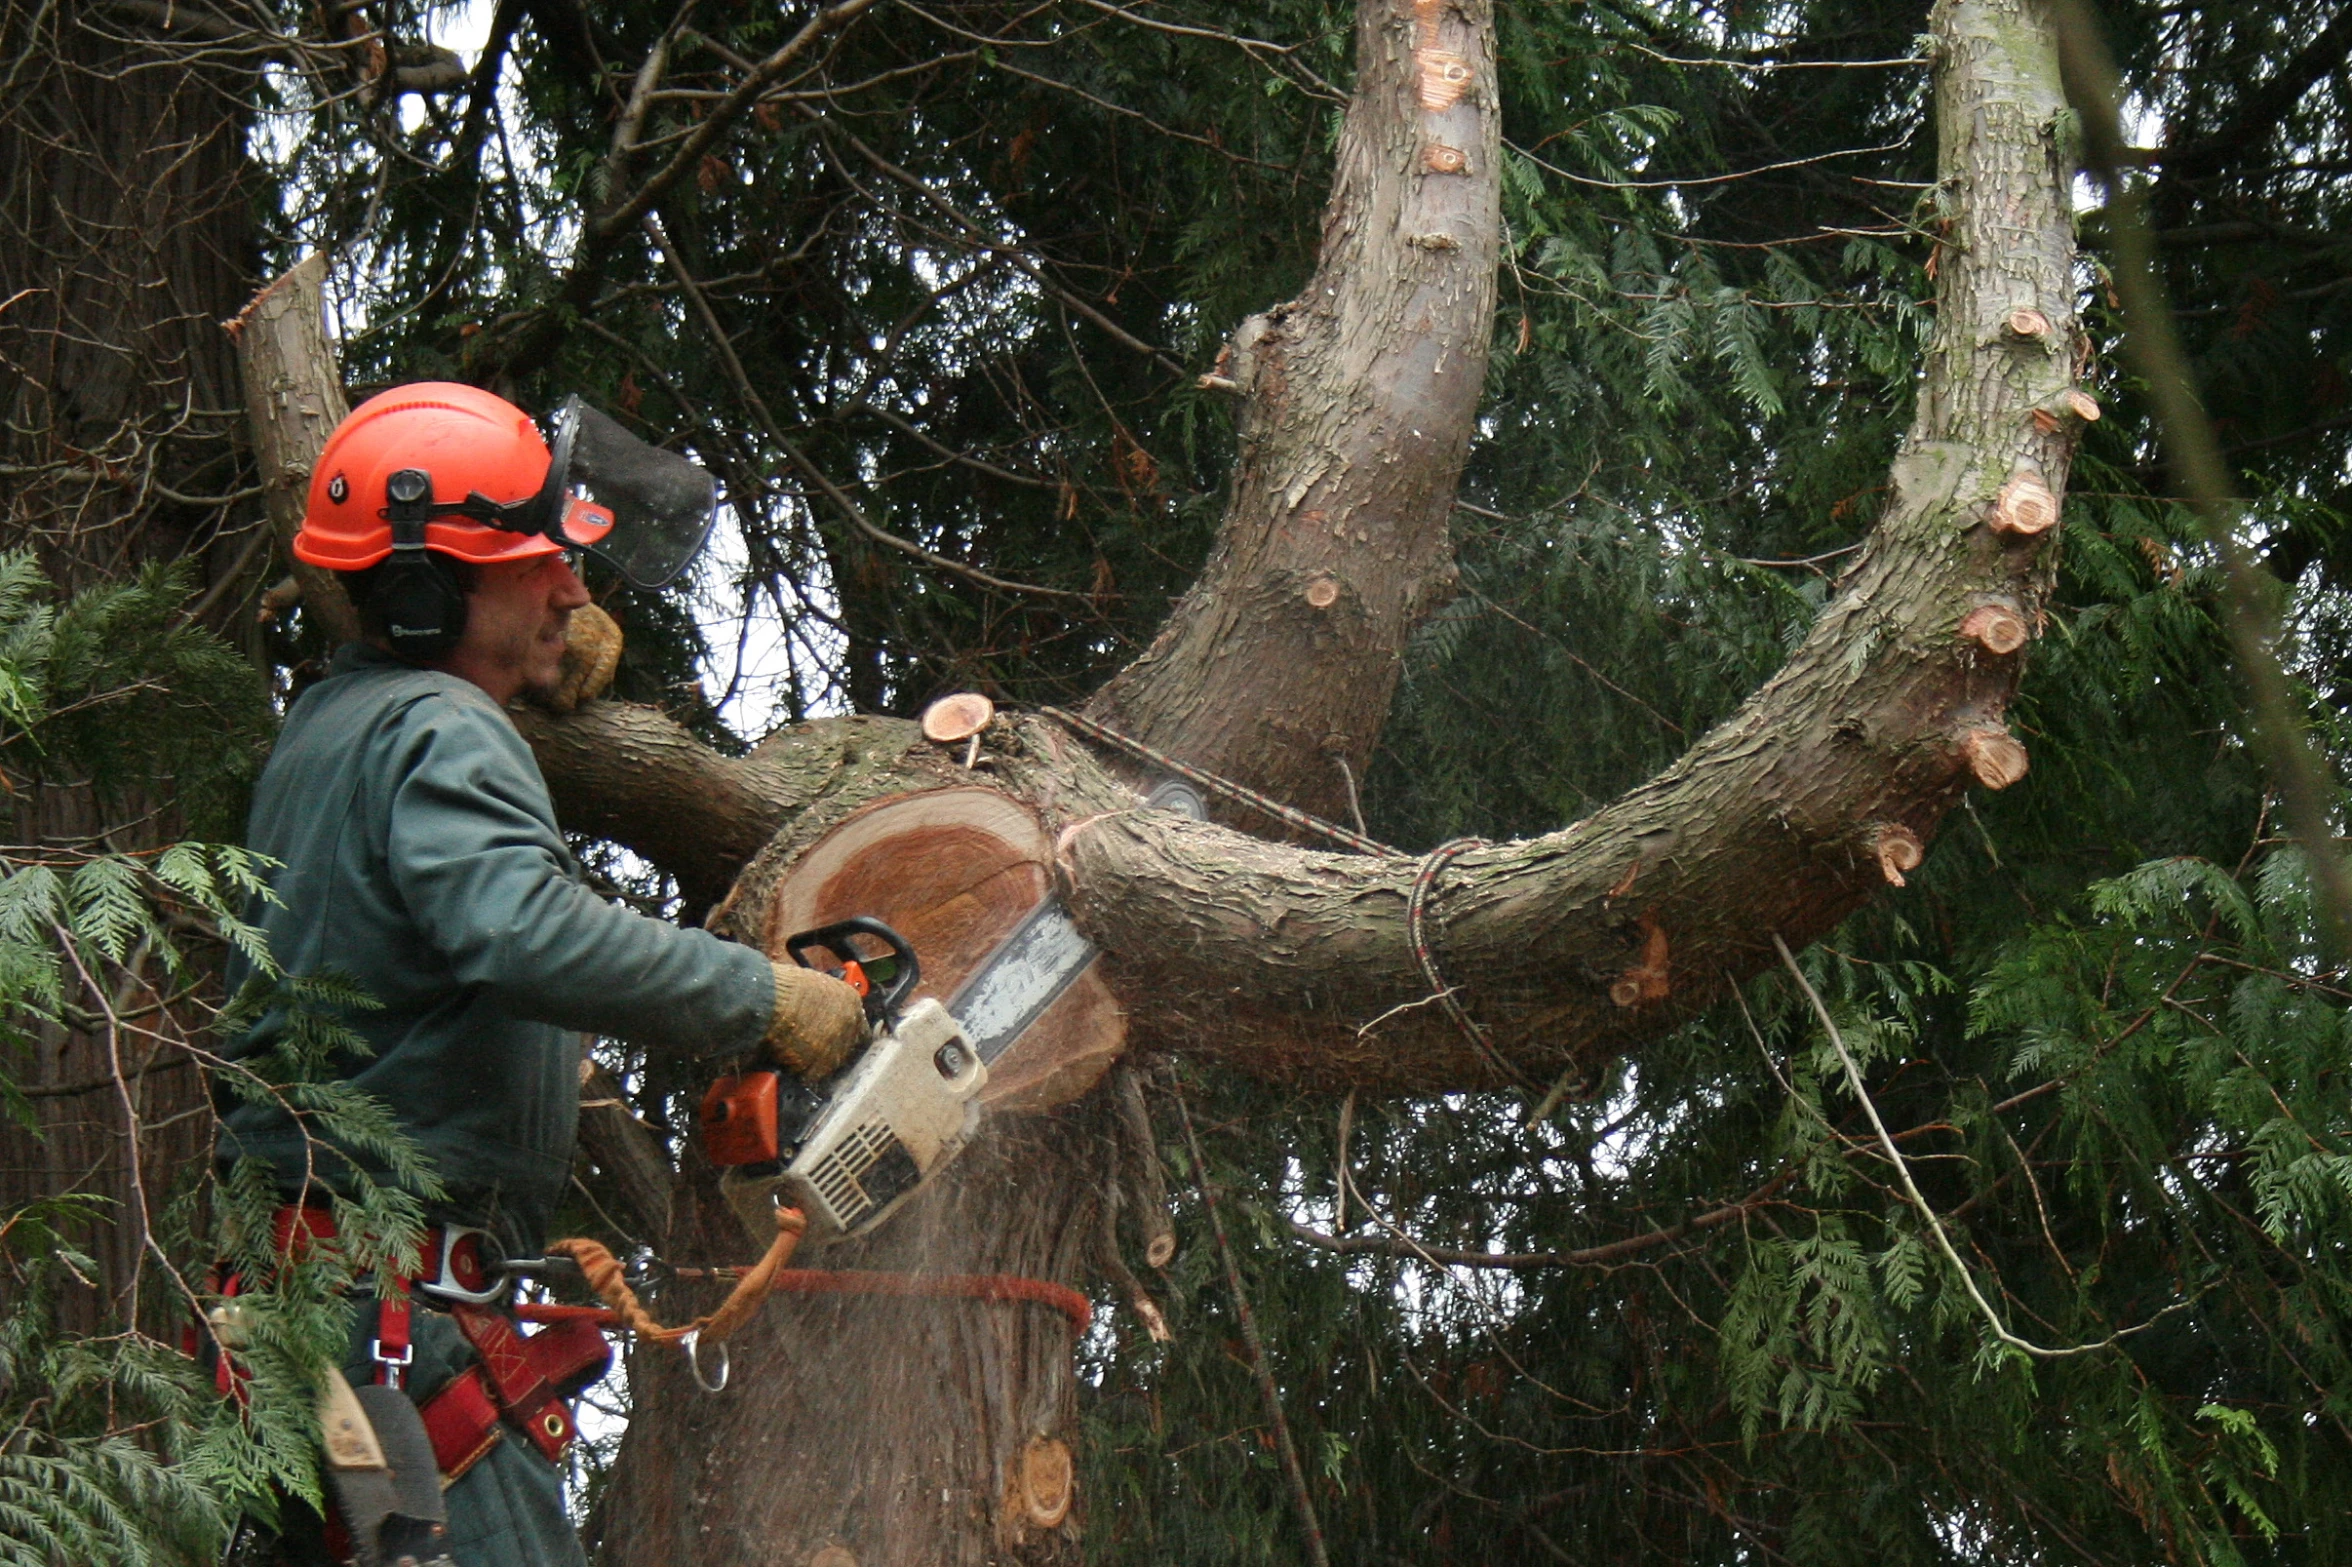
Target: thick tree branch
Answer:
pixel 1361 397
pixel 294 398
pixel 636 776
pixel 1788 816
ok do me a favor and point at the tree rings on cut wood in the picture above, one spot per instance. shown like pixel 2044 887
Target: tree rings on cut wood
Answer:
pixel 834 1556
pixel 1995 756
pixel 1438 158
pixel 1322 590
pixel 2028 322
pixel 1997 628
pixel 2025 506
pixel 1899 850
pixel 1043 1480
pixel 954 870
pixel 957 717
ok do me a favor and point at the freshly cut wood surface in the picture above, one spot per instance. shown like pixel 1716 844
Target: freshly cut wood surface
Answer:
pixel 957 717
pixel 953 871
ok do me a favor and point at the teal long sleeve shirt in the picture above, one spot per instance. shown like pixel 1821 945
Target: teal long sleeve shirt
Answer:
pixel 419 858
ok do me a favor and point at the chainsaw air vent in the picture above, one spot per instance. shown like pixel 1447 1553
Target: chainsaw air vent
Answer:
pixel 836 1178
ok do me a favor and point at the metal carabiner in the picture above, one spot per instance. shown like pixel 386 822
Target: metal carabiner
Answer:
pixel 690 1344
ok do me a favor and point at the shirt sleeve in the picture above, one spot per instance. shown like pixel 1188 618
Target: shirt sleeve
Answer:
pixel 474 854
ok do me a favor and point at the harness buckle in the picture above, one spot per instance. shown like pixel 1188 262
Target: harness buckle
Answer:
pixel 466 1268
pixel 395 1363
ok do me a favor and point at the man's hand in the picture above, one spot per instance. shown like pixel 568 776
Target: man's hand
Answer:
pixel 817 1022
pixel 592 652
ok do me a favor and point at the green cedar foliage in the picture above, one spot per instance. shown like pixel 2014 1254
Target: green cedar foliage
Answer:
pixel 116 1446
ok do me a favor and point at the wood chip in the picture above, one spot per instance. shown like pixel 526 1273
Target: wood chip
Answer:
pixel 957 717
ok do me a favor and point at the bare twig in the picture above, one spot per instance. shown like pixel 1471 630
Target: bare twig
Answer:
pixel 1256 1346
pixel 1601 1256
pixel 723 114
pixel 832 492
pixel 1927 1214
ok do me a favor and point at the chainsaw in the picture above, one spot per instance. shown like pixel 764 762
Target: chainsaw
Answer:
pixel 852 1150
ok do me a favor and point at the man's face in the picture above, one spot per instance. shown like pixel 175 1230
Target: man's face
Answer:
pixel 515 621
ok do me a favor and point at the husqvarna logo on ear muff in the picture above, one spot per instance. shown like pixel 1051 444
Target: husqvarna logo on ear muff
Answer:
pixel 338 489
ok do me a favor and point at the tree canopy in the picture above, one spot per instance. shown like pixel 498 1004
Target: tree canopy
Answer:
pixel 942 303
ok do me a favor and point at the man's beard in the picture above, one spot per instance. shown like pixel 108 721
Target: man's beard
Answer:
pixel 535 687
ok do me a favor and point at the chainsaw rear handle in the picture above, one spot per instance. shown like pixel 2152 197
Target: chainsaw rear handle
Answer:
pixel 881 1000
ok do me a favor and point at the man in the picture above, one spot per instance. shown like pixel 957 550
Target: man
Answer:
pixel 420 858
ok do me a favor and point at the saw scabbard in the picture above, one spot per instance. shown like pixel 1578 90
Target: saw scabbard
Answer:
pixel 381 1469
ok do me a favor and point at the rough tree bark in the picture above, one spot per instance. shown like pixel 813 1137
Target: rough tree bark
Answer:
pixel 125 232
pixel 1359 398
pixel 866 1431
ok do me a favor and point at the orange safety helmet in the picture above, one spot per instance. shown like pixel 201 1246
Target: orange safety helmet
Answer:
pixel 477 447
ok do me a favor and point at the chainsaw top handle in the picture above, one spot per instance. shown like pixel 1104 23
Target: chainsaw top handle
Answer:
pixel 886 979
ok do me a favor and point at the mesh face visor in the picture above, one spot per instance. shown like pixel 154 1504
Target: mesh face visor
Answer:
pixel 642 510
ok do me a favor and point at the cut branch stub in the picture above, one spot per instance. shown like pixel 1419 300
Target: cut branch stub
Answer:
pixel 1899 851
pixel 1646 980
pixel 2025 506
pixel 294 398
pixel 2073 404
pixel 1995 627
pixel 957 717
pixel 1994 755
pixel 2029 324
pixel 1044 1482
pixel 1438 158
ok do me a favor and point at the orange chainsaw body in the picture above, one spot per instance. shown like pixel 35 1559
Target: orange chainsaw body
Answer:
pixel 739 1119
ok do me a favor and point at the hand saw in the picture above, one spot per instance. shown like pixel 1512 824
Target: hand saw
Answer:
pixel 850 1151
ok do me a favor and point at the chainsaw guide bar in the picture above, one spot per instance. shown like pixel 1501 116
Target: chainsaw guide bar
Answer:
pixel 1027 973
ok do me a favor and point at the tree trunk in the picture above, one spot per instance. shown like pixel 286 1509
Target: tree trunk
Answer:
pixel 125 237
pixel 1785 818
pixel 907 1428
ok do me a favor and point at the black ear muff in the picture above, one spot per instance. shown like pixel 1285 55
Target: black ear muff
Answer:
pixel 417 595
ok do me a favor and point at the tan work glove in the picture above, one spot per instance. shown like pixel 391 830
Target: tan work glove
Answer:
pixel 817 1022
pixel 592 654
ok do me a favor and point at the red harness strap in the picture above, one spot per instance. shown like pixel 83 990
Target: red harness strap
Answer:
pixel 392 1349
pixel 523 1380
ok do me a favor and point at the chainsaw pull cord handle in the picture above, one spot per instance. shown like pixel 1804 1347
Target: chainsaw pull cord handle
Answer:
pixel 605 1277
